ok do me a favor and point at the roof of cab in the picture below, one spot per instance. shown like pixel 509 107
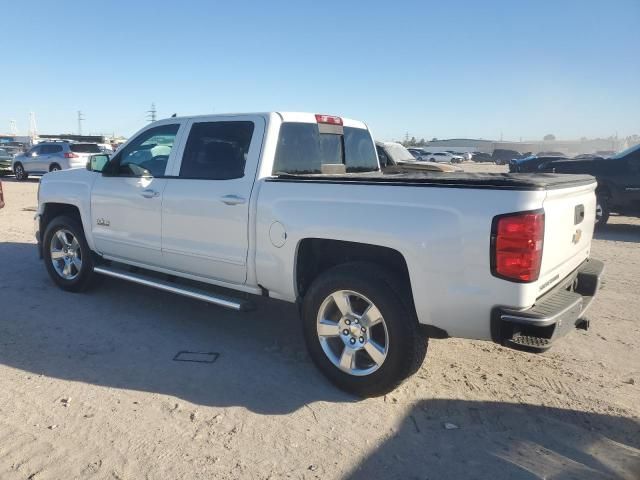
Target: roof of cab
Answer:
pixel 298 117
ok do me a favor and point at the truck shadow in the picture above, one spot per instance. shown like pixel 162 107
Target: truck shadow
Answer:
pixel 619 232
pixel 126 336
pixel 453 439
pixel 13 179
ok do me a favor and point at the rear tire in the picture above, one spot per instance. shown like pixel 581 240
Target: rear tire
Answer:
pixel 54 167
pixel 67 256
pixel 602 210
pixel 19 172
pixel 401 345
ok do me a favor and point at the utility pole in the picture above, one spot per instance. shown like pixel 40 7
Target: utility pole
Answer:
pixel 12 127
pixel 80 120
pixel 33 129
pixel 152 113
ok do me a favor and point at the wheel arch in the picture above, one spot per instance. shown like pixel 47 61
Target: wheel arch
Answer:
pixel 316 255
pixel 51 210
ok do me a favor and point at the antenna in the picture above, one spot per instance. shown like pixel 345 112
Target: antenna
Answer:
pixel 13 129
pixel 80 120
pixel 152 113
pixel 33 129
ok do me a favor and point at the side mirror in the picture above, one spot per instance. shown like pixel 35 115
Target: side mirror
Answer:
pixel 96 163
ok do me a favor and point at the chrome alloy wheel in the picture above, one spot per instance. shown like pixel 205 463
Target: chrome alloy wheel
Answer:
pixel 66 255
pixel 19 172
pixel 352 333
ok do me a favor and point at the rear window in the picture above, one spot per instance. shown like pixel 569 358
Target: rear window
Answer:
pixel 85 148
pixel 302 149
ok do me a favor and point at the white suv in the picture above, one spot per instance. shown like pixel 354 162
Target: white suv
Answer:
pixel 443 157
pixel 52 156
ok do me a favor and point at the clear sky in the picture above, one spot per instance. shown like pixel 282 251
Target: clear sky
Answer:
pixel 431 68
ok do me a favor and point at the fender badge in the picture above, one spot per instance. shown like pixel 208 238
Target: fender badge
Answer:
pixel 103 222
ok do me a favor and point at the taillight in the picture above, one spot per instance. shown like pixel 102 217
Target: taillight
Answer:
pixel 516 246
pixel 70 155
pixel 330 119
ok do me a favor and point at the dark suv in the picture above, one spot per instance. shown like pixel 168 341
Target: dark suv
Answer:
pixel 618 181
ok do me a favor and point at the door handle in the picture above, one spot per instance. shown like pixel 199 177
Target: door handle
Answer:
pixel 148 193
pixel 232 200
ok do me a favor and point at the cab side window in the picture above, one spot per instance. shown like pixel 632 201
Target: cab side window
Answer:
pixel 146 155
pixel 49 149
pixel 217 150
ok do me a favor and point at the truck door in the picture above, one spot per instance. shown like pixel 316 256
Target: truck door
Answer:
pixel 126 200
pixel 205 210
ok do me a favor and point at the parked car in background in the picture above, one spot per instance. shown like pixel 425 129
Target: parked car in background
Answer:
pixel 502 157
pixel 5 161
pixel 605 153
pixel 481 157
pixel 52 156
pixel 241 201
pixel 551 154
pixel 1 196
pixel 105 148
pixel 418 153
pixel 618 181
pixel 445 157
pixel 530 164
pixel 395 158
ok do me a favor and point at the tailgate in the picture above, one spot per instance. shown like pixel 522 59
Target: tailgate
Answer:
pixel 569 223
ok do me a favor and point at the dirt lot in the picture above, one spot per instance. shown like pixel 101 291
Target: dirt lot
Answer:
pixel 89 388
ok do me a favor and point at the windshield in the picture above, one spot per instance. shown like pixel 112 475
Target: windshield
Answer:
pixel 398 153
pixel 626 152
pixel 84 148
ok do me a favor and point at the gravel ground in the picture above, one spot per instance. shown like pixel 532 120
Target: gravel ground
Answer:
pixel 89 388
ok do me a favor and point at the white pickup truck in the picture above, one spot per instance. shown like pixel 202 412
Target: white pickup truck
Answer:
pixel 293 206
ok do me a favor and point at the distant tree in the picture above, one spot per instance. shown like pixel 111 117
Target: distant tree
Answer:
pixel 422 142
pixel 434 139
pixel 549 137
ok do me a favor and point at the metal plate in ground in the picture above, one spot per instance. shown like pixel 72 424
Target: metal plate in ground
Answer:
pixel 197 357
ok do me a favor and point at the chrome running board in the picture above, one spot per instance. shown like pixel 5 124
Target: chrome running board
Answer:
pixel 195 293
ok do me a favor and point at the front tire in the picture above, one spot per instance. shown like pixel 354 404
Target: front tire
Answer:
pixel 19 172
pixel 66 254
pixel 360 332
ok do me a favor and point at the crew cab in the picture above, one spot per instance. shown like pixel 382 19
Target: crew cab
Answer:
pixel 294 206
pixel 618 181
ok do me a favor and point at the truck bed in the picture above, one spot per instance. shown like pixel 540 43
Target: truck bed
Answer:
pixel 494 181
